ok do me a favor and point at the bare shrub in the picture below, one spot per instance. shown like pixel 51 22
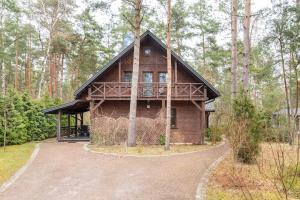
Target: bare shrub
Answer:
pixel 108 130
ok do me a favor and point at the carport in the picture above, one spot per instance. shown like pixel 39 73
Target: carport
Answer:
pixel 69 121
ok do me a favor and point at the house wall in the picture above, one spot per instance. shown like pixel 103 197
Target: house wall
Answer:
pixel 188 117
pixel 155 63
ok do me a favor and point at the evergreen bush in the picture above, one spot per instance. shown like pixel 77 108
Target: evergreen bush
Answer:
pixel 25 119
pixel 254 121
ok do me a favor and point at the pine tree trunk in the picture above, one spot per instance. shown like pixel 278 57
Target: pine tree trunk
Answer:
pixel 297 93
pixel 28 66
pixel 55 74
pixel 285 89
pixel 17 75
pixel 50 76
pixel 169 78
pixel 203 49
pixel 135 74
pixel 247 20
pixel 234 5
pixel 61 76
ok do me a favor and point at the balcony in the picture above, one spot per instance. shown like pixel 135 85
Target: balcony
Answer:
pixel 147 91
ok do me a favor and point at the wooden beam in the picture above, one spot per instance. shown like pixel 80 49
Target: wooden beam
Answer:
pixel 120 77
pixel 92 103
pixel 176 80
pixel 197 105
pixel 69 121
pixel 58 126
pixel 76 124
pixel 81 120
pixel 202 103
pixel 120 72
pixel 98 104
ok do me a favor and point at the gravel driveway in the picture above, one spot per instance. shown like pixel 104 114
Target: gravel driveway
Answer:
pixel 65 171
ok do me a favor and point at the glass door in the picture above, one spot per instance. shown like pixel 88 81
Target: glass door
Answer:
pixel 148 79
pixel 162 83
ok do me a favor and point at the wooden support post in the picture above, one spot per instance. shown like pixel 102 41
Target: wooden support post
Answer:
pixel 197 105
pixel 163 108
pixel 81 120
pixel 90 93
pixel 92 113
pixel 201 108
pixel 175 78
pixel 76 124
pixel 58 126
pixel 69 128
pixel 203 123
pixel 120 77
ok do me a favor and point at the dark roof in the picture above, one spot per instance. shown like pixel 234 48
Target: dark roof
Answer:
pixel 73 107
pixel 214 91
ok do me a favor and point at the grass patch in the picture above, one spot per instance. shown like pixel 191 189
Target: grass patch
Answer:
pixel 232 180
pixel 149 149
pixel 13 158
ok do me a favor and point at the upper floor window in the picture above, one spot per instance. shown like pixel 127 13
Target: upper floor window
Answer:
pixel 127 77
pixel 162 77
pixel 147 51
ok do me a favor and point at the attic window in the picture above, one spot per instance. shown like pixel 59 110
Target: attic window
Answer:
pixel 147 51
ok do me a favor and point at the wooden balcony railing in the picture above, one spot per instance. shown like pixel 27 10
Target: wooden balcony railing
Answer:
pixel 122 90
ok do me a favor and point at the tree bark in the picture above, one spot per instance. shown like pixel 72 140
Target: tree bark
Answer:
pixel 28 67
pixel 169 77
pixel 203 50
pixel 285 89
pixel 234 6
pixel 61 76
pixel 17 74
pixel 246 25
pixel 135 74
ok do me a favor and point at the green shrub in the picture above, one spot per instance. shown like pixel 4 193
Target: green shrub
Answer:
pixel 213 134
pixel 24 118
pixel 253 121
pixel 162 139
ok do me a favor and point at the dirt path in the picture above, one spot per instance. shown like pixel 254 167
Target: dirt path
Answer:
pixel 65 171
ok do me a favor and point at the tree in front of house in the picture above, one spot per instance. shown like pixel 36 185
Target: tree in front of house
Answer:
pixel 169 77
pixel 131 138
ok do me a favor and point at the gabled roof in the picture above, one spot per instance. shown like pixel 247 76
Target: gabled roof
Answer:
pixel 148 33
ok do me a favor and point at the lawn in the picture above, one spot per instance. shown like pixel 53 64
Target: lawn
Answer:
pixel 149 149
pixel 235 181
pixel 13 158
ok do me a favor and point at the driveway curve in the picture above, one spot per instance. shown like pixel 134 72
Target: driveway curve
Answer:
pixel 65 171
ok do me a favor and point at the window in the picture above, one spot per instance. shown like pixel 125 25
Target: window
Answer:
pixel 127 77
pixel 162 77
pixel 173 117
pixel 147 51
pixel 148 87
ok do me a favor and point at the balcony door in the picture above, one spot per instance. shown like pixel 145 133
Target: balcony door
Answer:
pixel 147 88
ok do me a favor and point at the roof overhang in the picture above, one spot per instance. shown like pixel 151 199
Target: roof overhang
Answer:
pixel 73 107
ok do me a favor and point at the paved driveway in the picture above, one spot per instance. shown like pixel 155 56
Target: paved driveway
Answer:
pixel 65 171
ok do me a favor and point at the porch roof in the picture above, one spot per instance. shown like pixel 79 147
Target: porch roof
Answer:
pixel 73 107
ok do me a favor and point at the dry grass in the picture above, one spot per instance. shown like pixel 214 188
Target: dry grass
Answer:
pixel 149 149
pixel 14 158
pixel 235 181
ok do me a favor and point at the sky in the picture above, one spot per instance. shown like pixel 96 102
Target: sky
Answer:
pixel 223 38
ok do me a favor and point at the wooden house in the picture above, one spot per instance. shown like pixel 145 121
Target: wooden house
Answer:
pixel 108 92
